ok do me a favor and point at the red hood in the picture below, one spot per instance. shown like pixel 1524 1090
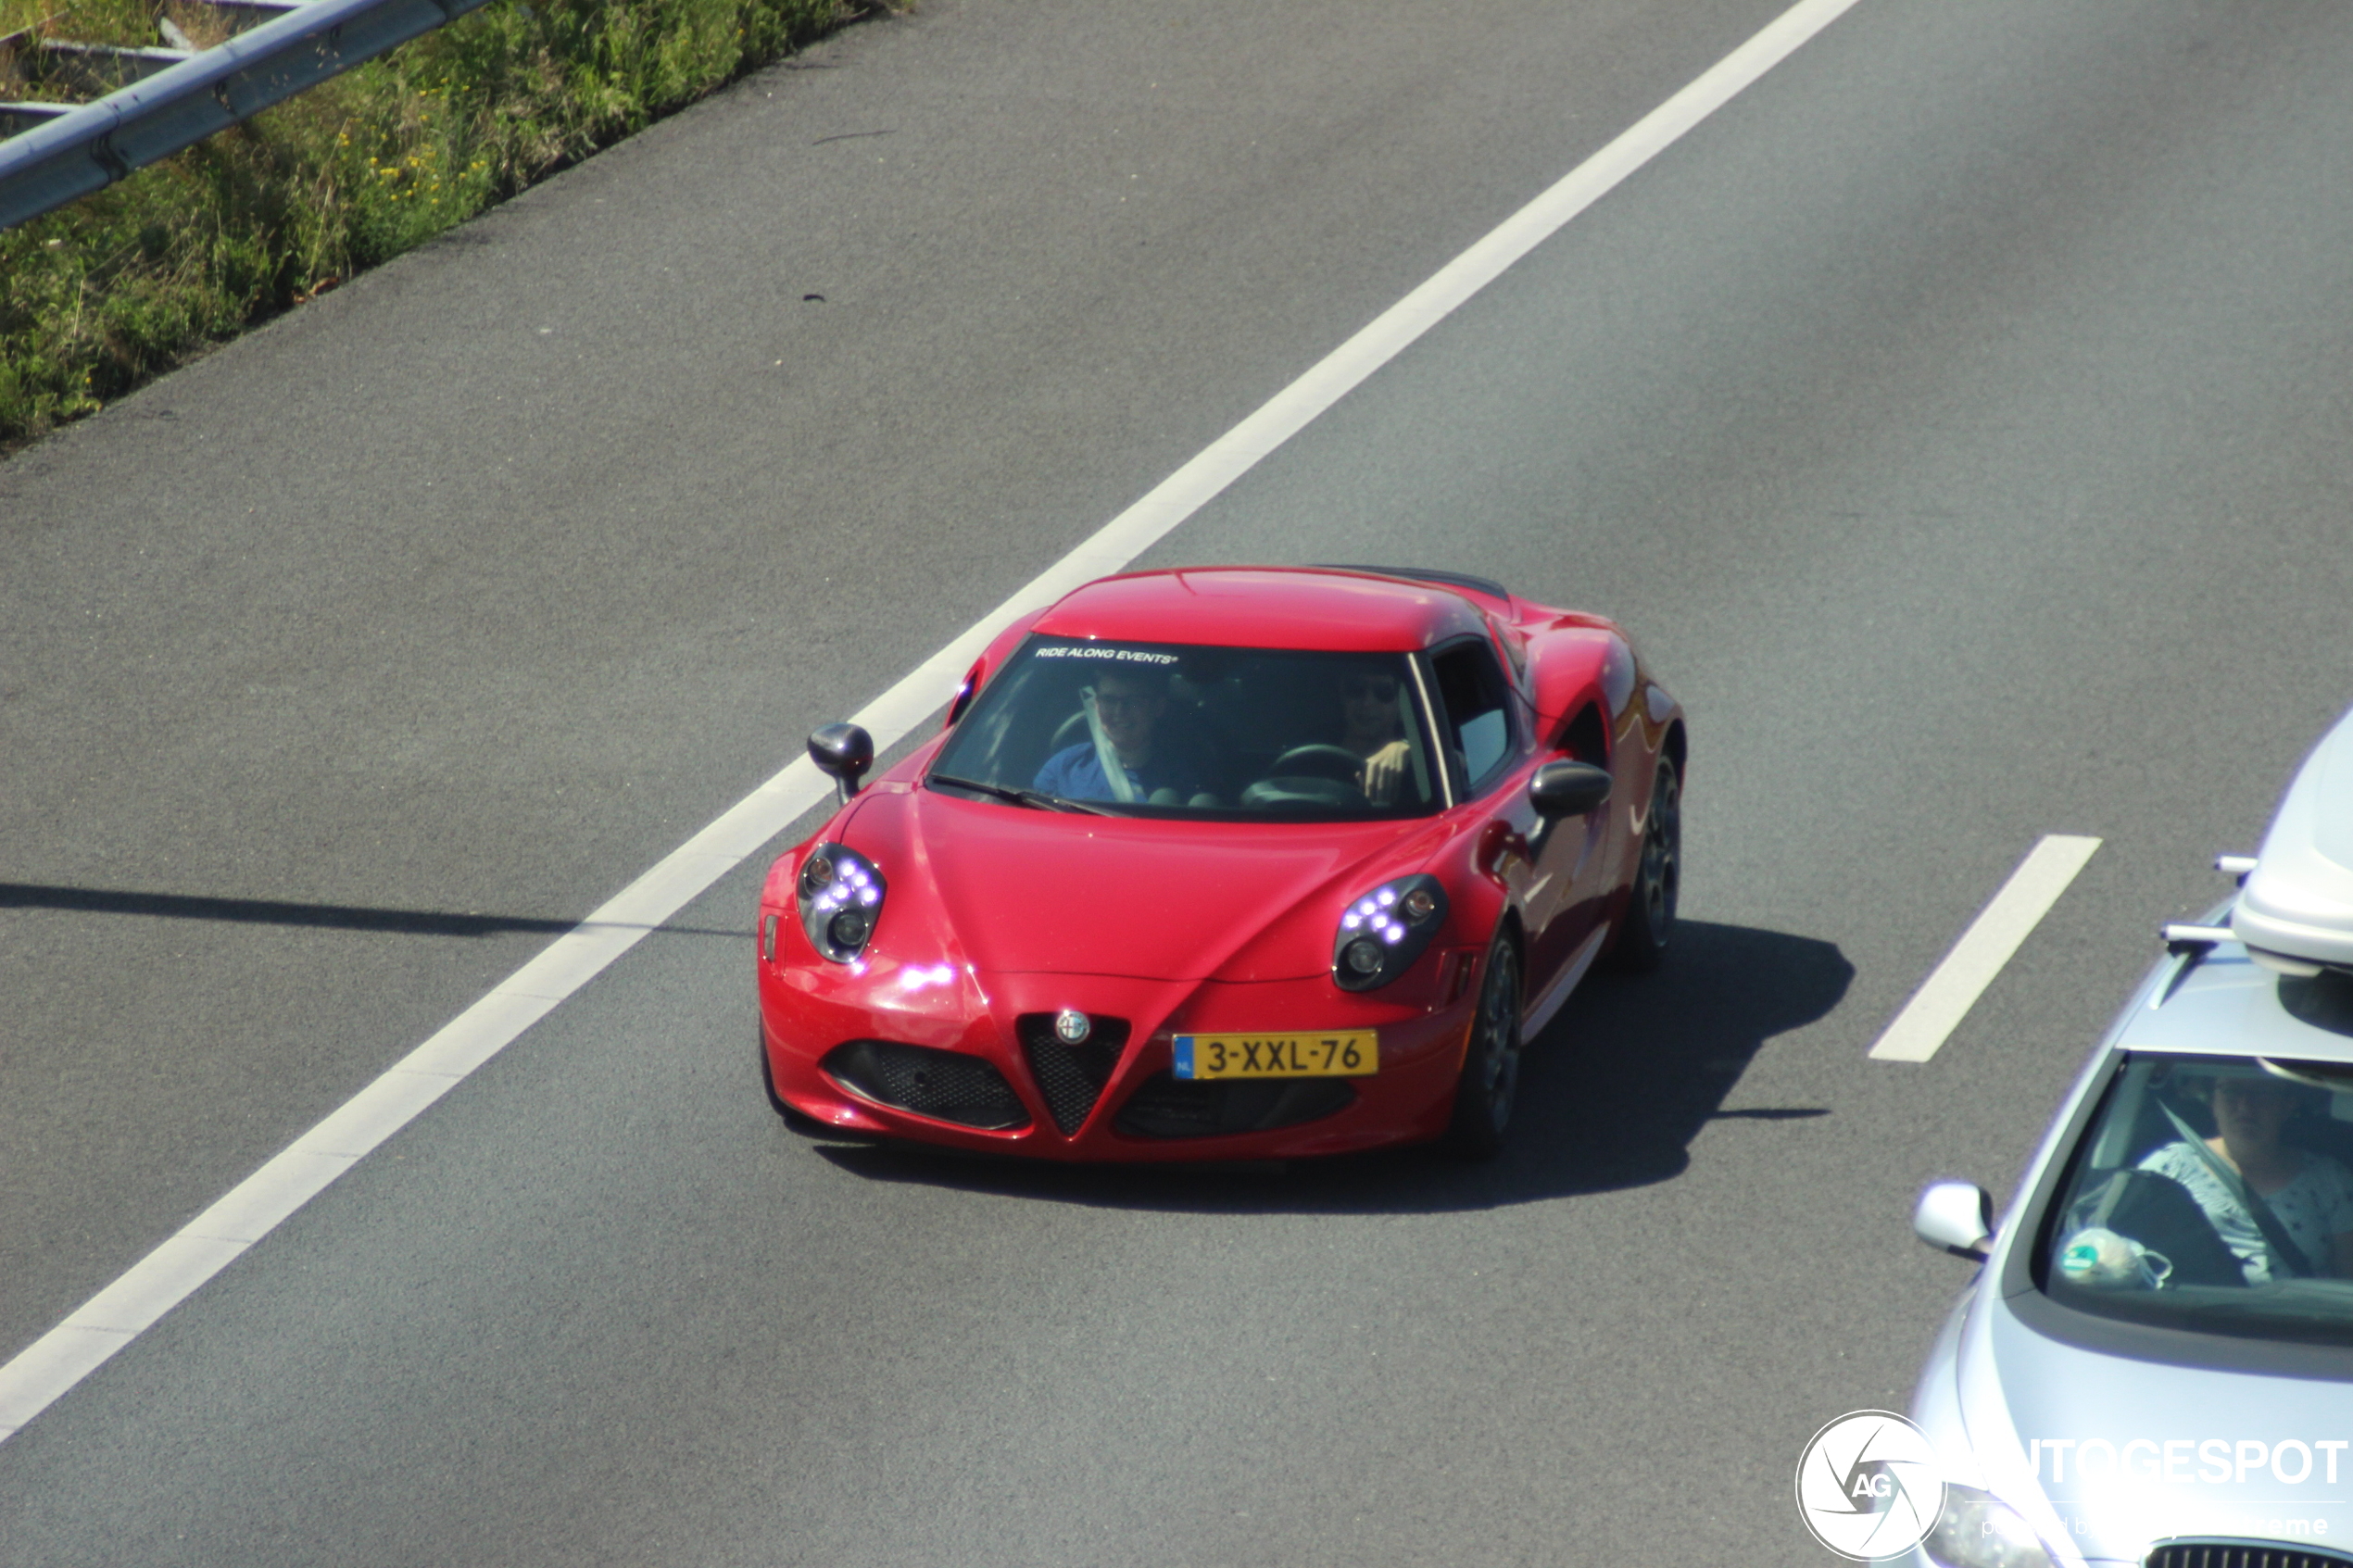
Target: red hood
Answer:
pixel 1011 890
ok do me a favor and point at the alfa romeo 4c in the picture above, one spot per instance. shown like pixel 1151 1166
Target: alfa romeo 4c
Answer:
pixel 1231 863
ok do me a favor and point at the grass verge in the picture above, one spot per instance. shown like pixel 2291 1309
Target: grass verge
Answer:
pixel 104 294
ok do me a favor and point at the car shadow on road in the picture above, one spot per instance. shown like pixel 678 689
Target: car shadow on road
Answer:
pixel 1613 1094
pixel 341 917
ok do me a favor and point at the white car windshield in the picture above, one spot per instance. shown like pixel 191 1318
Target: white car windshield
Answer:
pixel 1176 730
pixel 2214 1193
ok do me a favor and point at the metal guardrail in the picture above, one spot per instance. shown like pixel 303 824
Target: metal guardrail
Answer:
pixel 67 155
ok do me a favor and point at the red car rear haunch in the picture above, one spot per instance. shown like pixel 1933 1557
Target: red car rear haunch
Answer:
pixel 1227 863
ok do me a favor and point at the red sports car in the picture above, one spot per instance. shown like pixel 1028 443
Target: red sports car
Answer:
pixel 1227 863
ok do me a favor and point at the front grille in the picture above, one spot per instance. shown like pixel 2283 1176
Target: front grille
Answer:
pixel 948 1086
pixel 1165 1106
pixel 1071 1077
pixel 2242 1554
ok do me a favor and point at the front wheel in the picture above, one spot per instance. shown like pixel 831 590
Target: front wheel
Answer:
pixel 1490 1083
pixel 1650 903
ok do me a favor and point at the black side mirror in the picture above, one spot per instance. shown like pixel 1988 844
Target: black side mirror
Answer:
pixel 1568 789
pixel 843 750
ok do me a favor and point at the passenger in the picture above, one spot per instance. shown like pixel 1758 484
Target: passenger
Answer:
pixel 1373 731
pixel 2311 1194
pixel 1127 707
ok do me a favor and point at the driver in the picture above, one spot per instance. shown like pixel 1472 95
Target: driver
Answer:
pixel 1125 728
pixel 2311 1195
pixel 1373 731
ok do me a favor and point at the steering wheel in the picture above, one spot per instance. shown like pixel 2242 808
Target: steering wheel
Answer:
pixel 1321 761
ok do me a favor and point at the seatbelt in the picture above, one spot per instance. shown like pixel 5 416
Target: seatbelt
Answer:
pixel 2276 1235
pixel 1122 789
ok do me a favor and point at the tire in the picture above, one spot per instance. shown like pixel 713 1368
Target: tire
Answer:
pixel 1489 1086
pixel 1649 923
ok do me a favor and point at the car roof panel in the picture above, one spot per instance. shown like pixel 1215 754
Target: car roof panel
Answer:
pixel 2228 1005
pixel 1265 606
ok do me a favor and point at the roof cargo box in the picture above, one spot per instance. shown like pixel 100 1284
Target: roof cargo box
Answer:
pixel 2296 912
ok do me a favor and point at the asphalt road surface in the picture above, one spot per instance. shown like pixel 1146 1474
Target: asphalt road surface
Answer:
pixel 1959 417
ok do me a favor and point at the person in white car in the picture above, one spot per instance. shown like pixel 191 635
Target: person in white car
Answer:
pixel 2247 1174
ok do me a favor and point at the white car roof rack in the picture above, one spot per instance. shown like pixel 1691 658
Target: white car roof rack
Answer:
pixel 2295 910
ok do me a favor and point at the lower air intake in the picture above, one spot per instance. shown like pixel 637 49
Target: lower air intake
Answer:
pixel 1071 1077
pixel 945 1086
pixel 1165 1106
pixel 2243 1554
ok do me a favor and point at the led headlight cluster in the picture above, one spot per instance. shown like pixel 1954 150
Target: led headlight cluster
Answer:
pixel 1385 931
pixel 841 896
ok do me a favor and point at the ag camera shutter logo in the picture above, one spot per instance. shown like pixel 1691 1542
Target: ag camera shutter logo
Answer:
pixel 1868 1486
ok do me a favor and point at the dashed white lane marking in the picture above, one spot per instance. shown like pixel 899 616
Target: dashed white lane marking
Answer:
pixel 176 1269
pixel 1945 996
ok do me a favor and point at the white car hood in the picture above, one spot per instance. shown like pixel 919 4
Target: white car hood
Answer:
pixel 2029 1404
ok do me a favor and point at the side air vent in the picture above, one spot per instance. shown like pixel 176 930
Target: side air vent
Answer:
pixel 945 1086
pixel 1071 1077
pixel 1164 1105
pixel 2243 1554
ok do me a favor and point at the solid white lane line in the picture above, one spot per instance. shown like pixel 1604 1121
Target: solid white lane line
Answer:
pixel 1945 996
pixel 168 1276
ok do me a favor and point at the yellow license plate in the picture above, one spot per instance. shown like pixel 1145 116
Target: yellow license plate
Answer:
pixel 1344 1053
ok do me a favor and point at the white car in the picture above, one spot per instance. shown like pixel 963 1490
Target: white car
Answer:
pixel 2154 1365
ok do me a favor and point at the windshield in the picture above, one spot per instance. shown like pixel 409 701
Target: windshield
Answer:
pixel 2213 1194
pixel 1174 730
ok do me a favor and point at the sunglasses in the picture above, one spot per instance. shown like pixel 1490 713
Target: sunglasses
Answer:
pixel 1381 688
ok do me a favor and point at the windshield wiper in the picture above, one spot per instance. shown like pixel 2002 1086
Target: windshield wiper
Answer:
pixel 1036 799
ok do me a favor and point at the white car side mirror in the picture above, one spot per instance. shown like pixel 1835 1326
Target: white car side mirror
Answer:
pixel 1955 1217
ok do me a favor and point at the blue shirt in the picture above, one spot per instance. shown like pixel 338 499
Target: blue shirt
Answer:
pixel 1077 773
